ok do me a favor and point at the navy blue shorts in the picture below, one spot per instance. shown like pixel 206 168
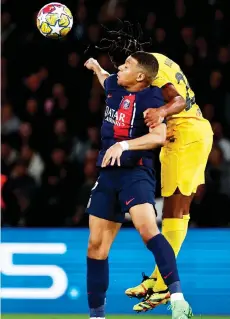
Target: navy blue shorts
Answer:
pixel 128 186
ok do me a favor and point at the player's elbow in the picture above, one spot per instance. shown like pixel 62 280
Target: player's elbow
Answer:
pixel 159 134
pixel 181 103
pixel 161 139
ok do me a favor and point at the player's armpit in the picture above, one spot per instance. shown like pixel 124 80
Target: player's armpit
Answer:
pixel 156 137
pixel 175 102
pixel 169 92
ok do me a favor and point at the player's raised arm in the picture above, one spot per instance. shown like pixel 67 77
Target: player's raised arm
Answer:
pixel 101 74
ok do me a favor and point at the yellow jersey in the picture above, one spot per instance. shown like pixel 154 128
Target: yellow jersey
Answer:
pixel 170 72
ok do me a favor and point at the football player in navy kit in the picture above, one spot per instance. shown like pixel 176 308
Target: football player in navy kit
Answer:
pixel 126 174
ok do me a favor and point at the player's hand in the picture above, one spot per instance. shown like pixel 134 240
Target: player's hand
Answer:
pixel 112 155
pixel 92 64
pixel 154 117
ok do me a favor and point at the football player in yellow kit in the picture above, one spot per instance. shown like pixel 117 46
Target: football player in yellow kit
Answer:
pixel 183 158
pixel 183 161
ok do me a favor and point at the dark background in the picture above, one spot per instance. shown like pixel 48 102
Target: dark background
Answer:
pixel 52 107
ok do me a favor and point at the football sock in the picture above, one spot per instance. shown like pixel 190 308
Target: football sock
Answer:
pixel 176 296
pixel 186 219
pixel 166 262
pixel 173 230
pixel 97 285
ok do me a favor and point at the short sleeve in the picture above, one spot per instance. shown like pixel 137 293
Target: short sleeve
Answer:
pixel 106 84
pixel 110 82
pixel 160 81
pixel 157 98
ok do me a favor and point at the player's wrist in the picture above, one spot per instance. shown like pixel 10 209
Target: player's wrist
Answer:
pixel 96 69
pixel 124 145
pixel 163 112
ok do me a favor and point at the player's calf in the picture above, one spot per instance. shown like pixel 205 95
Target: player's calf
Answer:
pixel 102 234
pixel 144 220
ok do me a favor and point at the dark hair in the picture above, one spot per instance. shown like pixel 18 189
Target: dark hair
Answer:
pixel 148 63
pixel 123 42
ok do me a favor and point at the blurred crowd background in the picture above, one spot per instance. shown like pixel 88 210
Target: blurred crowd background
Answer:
pixel 51 107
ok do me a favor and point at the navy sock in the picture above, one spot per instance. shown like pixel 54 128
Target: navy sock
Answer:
pixel 97 285
pixel 166 262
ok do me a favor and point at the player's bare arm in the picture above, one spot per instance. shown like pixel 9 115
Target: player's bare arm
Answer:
pixel 92 64
pixel 175 104
pixel 155 138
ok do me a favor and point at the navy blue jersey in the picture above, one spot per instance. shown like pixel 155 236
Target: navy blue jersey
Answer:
pixel 124 120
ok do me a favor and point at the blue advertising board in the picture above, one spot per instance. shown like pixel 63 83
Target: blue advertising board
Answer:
pixel 44 270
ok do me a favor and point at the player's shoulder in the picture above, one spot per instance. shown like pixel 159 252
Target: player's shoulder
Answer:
pixel 155 91
pixel 164 61
pixel 150 97
pixel 149 92
pixel 110 82
pixel 160 57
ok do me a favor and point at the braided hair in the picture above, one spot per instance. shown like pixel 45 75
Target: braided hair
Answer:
pixel 123 42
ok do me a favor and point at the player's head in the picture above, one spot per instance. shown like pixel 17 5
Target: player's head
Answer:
pixel 140 67
pixel 120 44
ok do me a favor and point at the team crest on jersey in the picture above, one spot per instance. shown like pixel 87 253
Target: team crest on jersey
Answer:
pixel 126 104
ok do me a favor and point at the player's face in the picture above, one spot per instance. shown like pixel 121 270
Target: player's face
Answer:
pixel 129 73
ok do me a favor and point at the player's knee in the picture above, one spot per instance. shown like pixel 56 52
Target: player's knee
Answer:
pixel 147 232
pixel 143 217
pixel 176 206
pixel 173 212
pixel 97 247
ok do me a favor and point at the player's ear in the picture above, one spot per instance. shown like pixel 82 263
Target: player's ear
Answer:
pixel 140 77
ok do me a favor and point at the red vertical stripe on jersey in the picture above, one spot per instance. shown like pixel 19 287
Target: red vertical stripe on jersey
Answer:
pixel 124 117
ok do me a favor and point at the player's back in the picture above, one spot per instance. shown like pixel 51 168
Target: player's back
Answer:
pixel 191 117
pixel 170 72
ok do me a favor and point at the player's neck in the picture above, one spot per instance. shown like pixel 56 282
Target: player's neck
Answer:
pixel 137 87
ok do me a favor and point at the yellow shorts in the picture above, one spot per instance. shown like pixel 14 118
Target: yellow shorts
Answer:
pixel 184 159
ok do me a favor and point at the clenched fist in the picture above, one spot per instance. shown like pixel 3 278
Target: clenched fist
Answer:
pixel 92 64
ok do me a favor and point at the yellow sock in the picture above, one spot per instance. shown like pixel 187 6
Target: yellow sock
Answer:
pixel 174 231
pixel 186 219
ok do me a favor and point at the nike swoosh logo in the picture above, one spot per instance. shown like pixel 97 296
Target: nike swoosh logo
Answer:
pixel 165 277
pixel 129 201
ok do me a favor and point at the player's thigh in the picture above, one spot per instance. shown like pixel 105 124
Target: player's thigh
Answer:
pixel 103 223
pixel 137 187
pixel 203 150
pixel 169 169
pixel 193 160
pixel 102 235
pixel 103 198
pixel 137 196
pixel 183 166
pixel 144 219
pixel 186 164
